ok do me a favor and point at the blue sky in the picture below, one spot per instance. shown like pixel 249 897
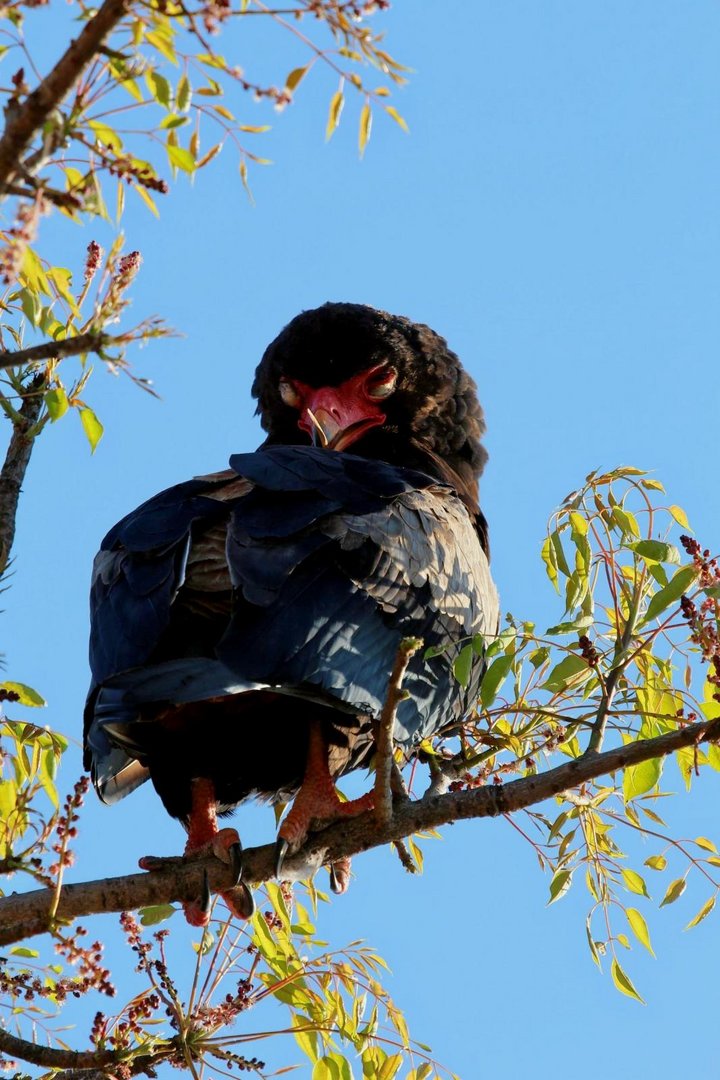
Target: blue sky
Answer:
pixel 553 213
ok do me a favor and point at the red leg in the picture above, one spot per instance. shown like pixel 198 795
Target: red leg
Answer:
pixel 205 837
pixel 317 799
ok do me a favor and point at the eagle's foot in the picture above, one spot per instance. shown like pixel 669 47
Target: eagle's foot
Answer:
pixel 204 838
pixel 315 803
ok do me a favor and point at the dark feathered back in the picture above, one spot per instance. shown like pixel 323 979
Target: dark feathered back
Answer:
pixel 434 419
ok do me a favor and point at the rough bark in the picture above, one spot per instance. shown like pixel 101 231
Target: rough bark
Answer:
pixel 15 467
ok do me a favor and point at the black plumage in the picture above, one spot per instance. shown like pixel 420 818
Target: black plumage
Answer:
pixel 233 612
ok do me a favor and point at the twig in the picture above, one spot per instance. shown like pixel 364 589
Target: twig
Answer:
pixel 25 914
pixel 91 341
pixel 384 741
pixel 28 118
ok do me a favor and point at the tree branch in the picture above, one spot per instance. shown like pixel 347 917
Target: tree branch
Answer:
pixel 26 119
pixel 91 341
pixel 384 741
pixel 25 914
pixel 51 1058
pixel 17 460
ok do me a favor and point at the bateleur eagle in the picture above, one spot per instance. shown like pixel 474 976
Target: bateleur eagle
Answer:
pixel 244 624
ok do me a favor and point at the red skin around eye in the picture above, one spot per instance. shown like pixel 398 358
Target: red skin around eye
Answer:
pixel 343 412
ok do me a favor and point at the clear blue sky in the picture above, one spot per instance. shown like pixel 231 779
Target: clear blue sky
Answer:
pixel 554 214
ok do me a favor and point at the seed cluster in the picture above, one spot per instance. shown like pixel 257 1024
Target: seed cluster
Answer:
pixel 703 620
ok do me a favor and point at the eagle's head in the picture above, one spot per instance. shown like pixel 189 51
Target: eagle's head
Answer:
pixel 349 377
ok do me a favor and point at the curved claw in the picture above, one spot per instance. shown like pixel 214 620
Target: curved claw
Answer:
pixel 240 900
pixel 340 876
pixel 235 853
pixel 281 850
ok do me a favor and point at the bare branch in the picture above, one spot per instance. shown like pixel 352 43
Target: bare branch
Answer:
pixel 26 914
pixel 15 466
pixel 91 341
pixel 384 739
pixel 25 120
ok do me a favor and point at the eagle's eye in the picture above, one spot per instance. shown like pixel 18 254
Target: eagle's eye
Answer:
pixel 289 394
pixel 381 381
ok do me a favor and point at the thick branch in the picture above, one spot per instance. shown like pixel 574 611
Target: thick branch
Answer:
pixel 50 1057
pixel 92 341
pixel 22 915
pixel 15 467
pixel 29 117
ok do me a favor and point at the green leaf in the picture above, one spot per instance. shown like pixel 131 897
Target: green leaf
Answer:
pixel 679 583
pixel 560 884
pixel 92 427
pixel 105 134
pixel 21 950
pixel 623 983
pixel 675 889
pixel 57 404
pixel 656 551
pixel 494 678
pixel 641 778
pixel 180 158
pixel 25 694
pixel 572 671
pixel 183 95
pixel 634 883
pixel 575 627
pixel 390 1067
pixel 306 1040
pixel 462 666
pixel 156 913
pixel 639 928
pixel 547 554
pixel 703 912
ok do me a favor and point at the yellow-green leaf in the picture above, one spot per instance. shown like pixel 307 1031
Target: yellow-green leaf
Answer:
pixel 392 111
pixel 675 890
pixel 336 107
pixel 92 427
pixel 181 158
pixel 639 928
pixel 703 912
pixel 634 882
pixel 25 694
pixel 680 516
pixel 679 583
pixel 623 983
pixel 639 779
pixel 365 126
pixel 656 862
pixel 56 401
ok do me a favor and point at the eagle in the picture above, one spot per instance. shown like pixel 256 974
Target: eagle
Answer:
pixel 244 623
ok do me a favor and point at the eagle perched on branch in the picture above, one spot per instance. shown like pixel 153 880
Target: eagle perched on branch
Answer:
pixel 245 623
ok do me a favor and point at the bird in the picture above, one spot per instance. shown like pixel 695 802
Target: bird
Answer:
pixel 244 623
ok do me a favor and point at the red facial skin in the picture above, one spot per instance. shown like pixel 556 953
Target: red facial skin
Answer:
pixel 342 413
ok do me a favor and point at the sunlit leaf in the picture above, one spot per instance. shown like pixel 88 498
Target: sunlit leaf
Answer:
pixel 702 913
pixel 92 427
pixel 675 890
pixel 156 913
pixel 561 882
pixel 634 882
pixel 639 928
pixel 25 694
pixel 336 107
pixel 623 982
pixel 678 584
pixel 638 779
pixel 57 403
